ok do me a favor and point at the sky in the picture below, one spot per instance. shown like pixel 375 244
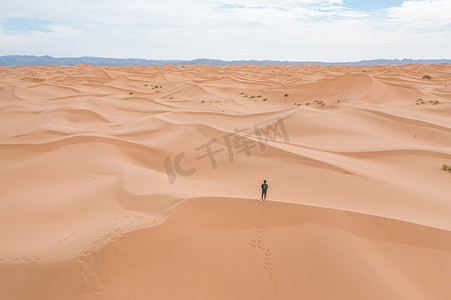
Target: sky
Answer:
pixel 305 30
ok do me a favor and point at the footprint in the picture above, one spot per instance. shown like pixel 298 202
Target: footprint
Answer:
pixel 257 241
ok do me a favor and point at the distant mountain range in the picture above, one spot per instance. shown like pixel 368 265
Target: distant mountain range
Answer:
pixel 29 60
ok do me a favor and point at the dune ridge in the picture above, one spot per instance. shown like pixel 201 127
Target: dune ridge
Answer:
pixel 358 204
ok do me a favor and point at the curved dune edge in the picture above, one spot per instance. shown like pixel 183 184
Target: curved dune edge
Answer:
pixel 226 248
pixel 87 209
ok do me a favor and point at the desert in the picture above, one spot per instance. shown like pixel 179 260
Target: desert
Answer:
pixel 144 182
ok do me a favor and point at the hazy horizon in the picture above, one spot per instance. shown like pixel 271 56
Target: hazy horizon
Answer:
pixel 407 60
pixel 309 30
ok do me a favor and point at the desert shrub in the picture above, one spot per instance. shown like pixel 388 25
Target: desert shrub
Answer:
pixel 427 77
pixel 286 95
pixel 265 99
pixel 145 84
pixel 203 101
pixel 445 167
pixel 419 101
pixel 259 96
pixel 131 93
pixel 252 97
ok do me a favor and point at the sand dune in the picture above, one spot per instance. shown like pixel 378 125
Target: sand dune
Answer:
pixel 107 190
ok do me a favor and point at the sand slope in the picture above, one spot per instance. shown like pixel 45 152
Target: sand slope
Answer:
pixel 94 205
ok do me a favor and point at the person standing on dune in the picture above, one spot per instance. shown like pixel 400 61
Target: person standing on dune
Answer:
pixel 264 189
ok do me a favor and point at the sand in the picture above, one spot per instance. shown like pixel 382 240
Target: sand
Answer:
pixel 108 189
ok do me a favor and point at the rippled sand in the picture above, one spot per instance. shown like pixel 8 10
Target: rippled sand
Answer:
pixel 143 182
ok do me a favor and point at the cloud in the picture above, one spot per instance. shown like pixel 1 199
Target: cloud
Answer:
pixel 422 13
pixel 327 30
